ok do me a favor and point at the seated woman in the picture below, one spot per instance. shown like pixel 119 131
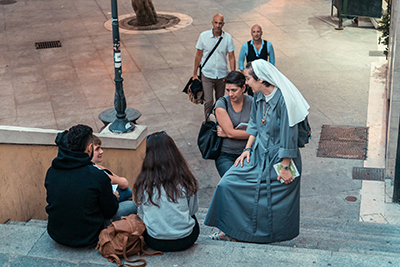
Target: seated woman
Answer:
pixel 232 110
pixel 165 192
pixel 250 202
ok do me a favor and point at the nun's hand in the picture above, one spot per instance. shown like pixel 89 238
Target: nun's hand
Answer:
pixel 241 158
pixel 286 176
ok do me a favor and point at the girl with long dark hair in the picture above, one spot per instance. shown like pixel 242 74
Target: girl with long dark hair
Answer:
pixel 165 191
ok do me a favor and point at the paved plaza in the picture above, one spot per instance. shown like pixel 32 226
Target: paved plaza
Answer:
pixel 60 87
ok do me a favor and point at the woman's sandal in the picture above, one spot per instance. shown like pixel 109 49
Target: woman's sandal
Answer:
pixel 215 236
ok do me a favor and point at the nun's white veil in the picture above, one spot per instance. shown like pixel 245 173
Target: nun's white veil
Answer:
pixel 296 105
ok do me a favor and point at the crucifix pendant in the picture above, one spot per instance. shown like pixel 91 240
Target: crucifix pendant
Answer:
pixel 263 121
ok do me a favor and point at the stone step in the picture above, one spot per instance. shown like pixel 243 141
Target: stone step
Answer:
pixel 34 245
pixel 31 222
pixel 335 225
pixel 42 251
pixel 334 235
pixel 325 234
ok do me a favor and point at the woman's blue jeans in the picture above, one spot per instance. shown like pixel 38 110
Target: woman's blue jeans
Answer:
pixel 224 162
pixel 124 194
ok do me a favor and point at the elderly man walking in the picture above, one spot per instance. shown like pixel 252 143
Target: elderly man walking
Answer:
pixel 216 68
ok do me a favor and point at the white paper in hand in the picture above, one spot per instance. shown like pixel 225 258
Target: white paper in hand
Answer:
pixel 114 187
pixel 292 167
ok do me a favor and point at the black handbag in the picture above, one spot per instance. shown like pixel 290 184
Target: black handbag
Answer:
pixel 194 88
pixel 208 140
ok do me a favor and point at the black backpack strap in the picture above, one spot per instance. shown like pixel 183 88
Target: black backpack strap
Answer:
pixel 266 47
pixel 226 105
pixel 211 111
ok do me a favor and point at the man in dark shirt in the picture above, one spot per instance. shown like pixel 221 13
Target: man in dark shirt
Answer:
pixel 254 49
pixel 79 195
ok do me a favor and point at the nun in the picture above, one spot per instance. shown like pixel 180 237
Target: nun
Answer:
pixel 255 201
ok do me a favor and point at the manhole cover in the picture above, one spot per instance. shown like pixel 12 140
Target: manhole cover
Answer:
pixel 7 2
pixel 164 21
pixel 351 199
pixel 48 44
pixel 343 142
pixel 373 174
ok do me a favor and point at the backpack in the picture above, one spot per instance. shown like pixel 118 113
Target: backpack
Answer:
pixel 304 129
pixel 124 238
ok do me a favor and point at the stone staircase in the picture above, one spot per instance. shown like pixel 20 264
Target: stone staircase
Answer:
pixel 322 242
pixel 337 236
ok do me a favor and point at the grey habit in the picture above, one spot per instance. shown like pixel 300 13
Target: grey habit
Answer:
pixel 249 204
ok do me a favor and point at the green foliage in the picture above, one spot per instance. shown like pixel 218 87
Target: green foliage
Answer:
pixel 385 24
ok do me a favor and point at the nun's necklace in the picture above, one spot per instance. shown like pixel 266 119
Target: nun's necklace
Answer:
pixel 265 113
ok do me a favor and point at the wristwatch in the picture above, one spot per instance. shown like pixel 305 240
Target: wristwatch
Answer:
pixel 285 167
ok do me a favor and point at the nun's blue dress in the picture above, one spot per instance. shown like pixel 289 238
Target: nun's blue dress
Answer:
pixel 249 204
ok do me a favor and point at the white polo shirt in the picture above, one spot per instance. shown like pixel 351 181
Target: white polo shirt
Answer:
pixel 216 66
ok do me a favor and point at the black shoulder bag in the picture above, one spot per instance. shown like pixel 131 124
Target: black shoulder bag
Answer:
pixel 194 88
pixel 304 132
pixel 304 129
pixel 208 141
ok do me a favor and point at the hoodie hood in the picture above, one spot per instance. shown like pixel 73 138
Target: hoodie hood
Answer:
pixel 66 158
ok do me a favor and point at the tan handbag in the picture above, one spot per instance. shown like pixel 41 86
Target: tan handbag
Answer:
pixel 124 238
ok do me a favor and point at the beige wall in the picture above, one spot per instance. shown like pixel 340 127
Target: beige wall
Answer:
pixel 124 162
pixel 23 170
pixel 23 167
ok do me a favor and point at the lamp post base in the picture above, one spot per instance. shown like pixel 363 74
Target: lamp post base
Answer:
pixel 121 126
pixel 108 116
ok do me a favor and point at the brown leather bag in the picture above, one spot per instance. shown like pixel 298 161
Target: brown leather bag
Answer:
pixel 124 238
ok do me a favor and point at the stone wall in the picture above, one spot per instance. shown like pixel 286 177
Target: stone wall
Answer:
pixel 26 154
pixel 393 90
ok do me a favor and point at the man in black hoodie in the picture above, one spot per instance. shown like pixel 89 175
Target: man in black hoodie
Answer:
pixel 79 196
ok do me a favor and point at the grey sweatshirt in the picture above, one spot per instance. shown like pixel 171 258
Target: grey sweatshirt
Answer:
pixel 170 220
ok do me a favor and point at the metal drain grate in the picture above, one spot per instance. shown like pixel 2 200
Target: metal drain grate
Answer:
pixel 343 142
pixel 48 44
pixel 372 174
pixel 7 2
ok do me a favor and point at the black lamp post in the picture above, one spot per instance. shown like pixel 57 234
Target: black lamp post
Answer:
pixel 121 123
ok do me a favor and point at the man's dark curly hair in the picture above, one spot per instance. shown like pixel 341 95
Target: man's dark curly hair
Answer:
pixel 79 137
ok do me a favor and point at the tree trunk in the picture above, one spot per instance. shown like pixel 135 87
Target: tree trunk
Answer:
pixel 145 13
